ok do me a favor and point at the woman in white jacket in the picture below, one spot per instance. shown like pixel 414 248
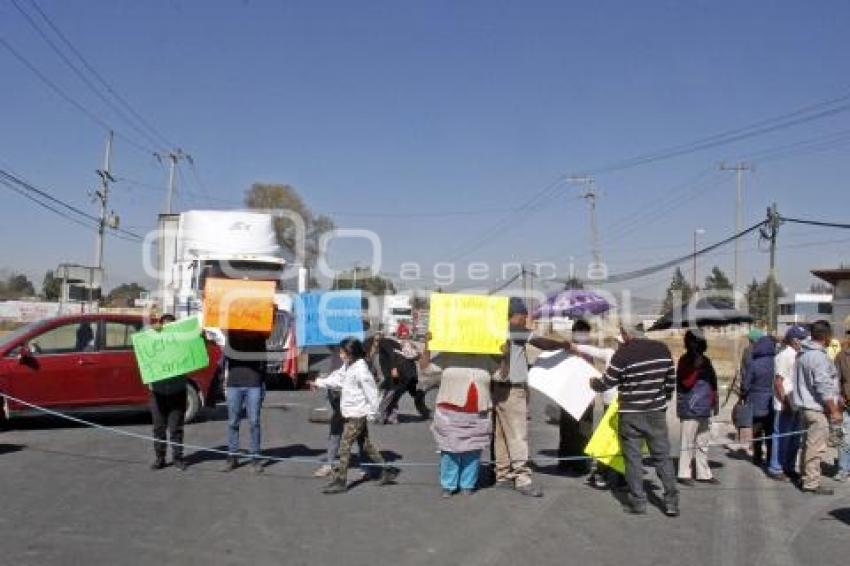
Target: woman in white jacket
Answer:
pixel 358 404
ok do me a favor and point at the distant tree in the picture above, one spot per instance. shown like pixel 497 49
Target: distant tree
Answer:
pixel 574 283
pixel 757 298
pixel 678 292
pixel 360 278
pixel 16 286
pixel 124 295
pixel 820 288
pixel 285 197
pixel 51 287
pixel 717 281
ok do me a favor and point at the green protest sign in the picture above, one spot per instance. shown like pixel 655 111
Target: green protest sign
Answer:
pixel 176 350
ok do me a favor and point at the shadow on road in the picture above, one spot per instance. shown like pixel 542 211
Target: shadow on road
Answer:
pixel 842 514
pixel 9 448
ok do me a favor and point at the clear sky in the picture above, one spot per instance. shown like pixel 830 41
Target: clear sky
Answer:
pixel 442 118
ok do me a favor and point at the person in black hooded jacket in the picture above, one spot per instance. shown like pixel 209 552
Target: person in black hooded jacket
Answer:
pixel 757 391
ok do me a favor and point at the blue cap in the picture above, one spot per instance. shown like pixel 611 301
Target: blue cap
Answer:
pixel 796 333
pixel 517 306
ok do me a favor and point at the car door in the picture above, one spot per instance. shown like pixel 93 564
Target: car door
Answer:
pixel 61 370
pixel 119 381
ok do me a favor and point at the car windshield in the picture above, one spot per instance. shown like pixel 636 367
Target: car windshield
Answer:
pixel 17 333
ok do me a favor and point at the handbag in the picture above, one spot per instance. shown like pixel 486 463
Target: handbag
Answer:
pixel 742 414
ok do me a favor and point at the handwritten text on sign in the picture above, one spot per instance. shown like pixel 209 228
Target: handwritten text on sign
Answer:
pixel 324 319
pixel 239 305
pixel 176 350
pixel 472 324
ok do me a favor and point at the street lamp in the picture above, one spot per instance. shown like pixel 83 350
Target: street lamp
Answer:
pixel 697 232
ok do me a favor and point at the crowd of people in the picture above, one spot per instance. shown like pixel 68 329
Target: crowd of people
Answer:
pixel 482 404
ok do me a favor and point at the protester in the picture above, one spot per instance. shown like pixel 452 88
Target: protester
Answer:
pixel 842 364
pixel 358 404
pixel 757 392
pixel 510 403
pixel 643 371
pixel 696 402
pixel 783 456
pixel 742 415
pixel 404 378
pixel 168 411
pixel 816 394
pixel 462 424
pixel 245 363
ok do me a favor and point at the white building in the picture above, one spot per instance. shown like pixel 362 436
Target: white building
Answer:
pixel 840 281
pixel 803 308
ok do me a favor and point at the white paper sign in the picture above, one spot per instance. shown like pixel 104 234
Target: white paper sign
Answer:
pixel 564 378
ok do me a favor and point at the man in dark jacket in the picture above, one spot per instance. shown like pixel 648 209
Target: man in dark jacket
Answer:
pixel 757 391
pixel 643 371
pixel 168 411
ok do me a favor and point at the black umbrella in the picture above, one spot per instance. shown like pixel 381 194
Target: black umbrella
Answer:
pixel 706 311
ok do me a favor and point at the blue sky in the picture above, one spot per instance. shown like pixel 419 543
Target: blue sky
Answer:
pixel 394 108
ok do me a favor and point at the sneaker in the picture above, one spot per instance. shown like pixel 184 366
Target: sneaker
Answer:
pixel 336 486
pixel 688 482
pixel 323 471
pixel 819 490
pixel 447 494
pixel 671 508
pixel 777 476
pixel 389 475
pixel 709 481
pixel 180 464
pixel 158 464
pixel 229 465
pixel 530 490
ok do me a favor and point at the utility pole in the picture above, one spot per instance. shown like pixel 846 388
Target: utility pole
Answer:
pixel 697 232
pixel 738 168
pixel 102 195
pixel 769 232
pixel 173 157
pixel 590 196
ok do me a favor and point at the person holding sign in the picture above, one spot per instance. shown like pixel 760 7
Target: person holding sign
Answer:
pixel 358 404
pixel 510 403
pixel 645 376
pixel 168 410
pixel 245 368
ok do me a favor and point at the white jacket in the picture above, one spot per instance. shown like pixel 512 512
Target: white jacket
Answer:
pixel 359 391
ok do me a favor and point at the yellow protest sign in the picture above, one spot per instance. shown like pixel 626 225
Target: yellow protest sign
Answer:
pixel 604 445
pixel 470 324
pixel 233 304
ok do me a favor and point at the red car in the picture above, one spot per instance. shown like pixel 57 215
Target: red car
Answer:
pixel 85 363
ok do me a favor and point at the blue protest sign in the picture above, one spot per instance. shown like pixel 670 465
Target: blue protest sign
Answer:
pixel 326 318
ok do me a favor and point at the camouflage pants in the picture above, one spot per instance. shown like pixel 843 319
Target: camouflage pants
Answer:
pixel 356 430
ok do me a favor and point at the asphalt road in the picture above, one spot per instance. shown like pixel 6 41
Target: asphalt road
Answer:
pixel 73 495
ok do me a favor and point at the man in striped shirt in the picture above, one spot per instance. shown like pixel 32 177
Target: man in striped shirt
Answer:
pixel 644 372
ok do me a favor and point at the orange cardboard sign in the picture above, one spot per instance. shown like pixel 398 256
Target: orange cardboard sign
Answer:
pixel 233 304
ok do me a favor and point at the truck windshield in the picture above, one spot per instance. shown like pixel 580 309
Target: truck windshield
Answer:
pixel 402 312
pixel 241 269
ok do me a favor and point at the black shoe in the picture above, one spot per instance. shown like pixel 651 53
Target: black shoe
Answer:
pixel 671 508
pixel 389 475
pixel 336 486
pixel 530 490
pixel 180 464
pixel 158 464
pixel 229 465
pixel 686 482
pixel 819 490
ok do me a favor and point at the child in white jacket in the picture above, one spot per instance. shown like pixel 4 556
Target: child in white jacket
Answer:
pixel 358 404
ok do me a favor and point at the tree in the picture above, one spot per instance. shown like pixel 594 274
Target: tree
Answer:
pixel 717 281
pixel 16 286
pixel 361 278
pixel 757 299
pixel 285 197
pixel 51 287
pixel 678 292
pixel 573 283
pixel 124 295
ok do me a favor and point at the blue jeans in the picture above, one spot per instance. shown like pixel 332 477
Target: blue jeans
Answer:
pixel 459 470
pixel 252 399
pixel 844 452
pixel 783 457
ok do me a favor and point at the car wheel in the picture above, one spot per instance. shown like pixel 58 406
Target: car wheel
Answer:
pixel 193 403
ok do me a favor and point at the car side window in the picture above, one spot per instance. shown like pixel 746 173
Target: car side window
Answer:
pixel 117 335
pixel 65 339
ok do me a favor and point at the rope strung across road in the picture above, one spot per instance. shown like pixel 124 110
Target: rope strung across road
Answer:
pixel 315 461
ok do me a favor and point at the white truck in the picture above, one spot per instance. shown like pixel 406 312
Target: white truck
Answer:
pixel 396 309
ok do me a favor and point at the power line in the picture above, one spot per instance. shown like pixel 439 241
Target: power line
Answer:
pixel 70 64
pixel 55 88
pixel 98 76
pixel 47 206
pixel 814 222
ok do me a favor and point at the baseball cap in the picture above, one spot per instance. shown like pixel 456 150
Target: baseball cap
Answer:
pixel 517 306
pixel 796 333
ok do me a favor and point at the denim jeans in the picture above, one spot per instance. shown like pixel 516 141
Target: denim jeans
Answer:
pixel 459 469
pixel 634 429
pixel 252 399
pixel 844 451
pixel 783 457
